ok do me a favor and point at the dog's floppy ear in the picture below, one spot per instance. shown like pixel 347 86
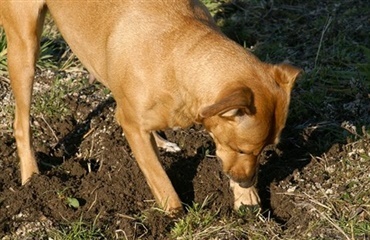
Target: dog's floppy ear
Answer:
pixel 236 102
pixel 285 75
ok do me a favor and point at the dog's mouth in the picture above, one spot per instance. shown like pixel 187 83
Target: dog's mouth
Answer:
pixel 250 182
pixel 244 181
pixel 247 184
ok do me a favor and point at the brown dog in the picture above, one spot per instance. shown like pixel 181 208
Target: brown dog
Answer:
pixel 167 65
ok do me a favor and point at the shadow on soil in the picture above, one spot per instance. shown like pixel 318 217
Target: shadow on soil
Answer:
pixel 69 145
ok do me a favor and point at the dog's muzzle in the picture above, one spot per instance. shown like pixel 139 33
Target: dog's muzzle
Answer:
pixel 247 184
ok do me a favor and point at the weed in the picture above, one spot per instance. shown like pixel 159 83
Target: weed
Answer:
pixel 364 67
pixel 69 201
pixel 212 5
pixel 51 101
pixel 78 230
pixel 3 53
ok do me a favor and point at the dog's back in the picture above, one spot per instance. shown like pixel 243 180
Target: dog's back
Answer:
pixel 125 28
pixel 167 65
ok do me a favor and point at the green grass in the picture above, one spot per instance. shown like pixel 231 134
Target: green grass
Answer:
pixel 202 223
pixel 54 52
pixel 3 53
pixel 212 5
pixel 51 102
pixel 78 230
pixel 197 222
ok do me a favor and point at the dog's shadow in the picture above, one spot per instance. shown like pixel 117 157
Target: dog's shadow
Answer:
pixel 69 145
pixel 294 153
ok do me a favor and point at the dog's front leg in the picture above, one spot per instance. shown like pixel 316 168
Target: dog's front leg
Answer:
pixel 145 150
pixel 23 31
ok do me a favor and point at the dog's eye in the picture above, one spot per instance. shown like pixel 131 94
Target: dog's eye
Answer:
pixel 244 152
pixel 241 152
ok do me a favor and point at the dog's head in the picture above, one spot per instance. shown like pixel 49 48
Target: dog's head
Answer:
pixel 247 117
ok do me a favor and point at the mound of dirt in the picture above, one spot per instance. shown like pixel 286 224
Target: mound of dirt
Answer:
pixel 92 163
pixel 84 157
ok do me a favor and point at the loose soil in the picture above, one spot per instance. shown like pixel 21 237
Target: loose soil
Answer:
pixel 85 156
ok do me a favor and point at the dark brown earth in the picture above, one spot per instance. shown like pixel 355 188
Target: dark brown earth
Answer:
pixel 85 157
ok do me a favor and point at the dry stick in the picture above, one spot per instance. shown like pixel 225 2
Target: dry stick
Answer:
pixel 120 231
pixel 51 129
pixel 89 132
pixel 334 224
pixel 125 216
pixel 327 218
pixel 328 22
pixel 93 203
pixel 5 79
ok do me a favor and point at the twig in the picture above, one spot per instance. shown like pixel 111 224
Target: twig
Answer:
pixel 125 216
pixel 5 79
pixel 89 132
pixel 93 203
pixel 121 231
pixel 333 224
pixel 327 218
pixel 327 24
pixel 52 131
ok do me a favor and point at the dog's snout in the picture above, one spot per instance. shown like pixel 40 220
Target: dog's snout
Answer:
pixel 242 171
pixel 245 181
pixel 246 184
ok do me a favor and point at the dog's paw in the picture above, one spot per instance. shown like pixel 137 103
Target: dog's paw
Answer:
pixel 170 147
pixel 164 144
pixel 244 196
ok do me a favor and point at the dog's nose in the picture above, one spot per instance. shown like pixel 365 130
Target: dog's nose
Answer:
pixel 246 184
